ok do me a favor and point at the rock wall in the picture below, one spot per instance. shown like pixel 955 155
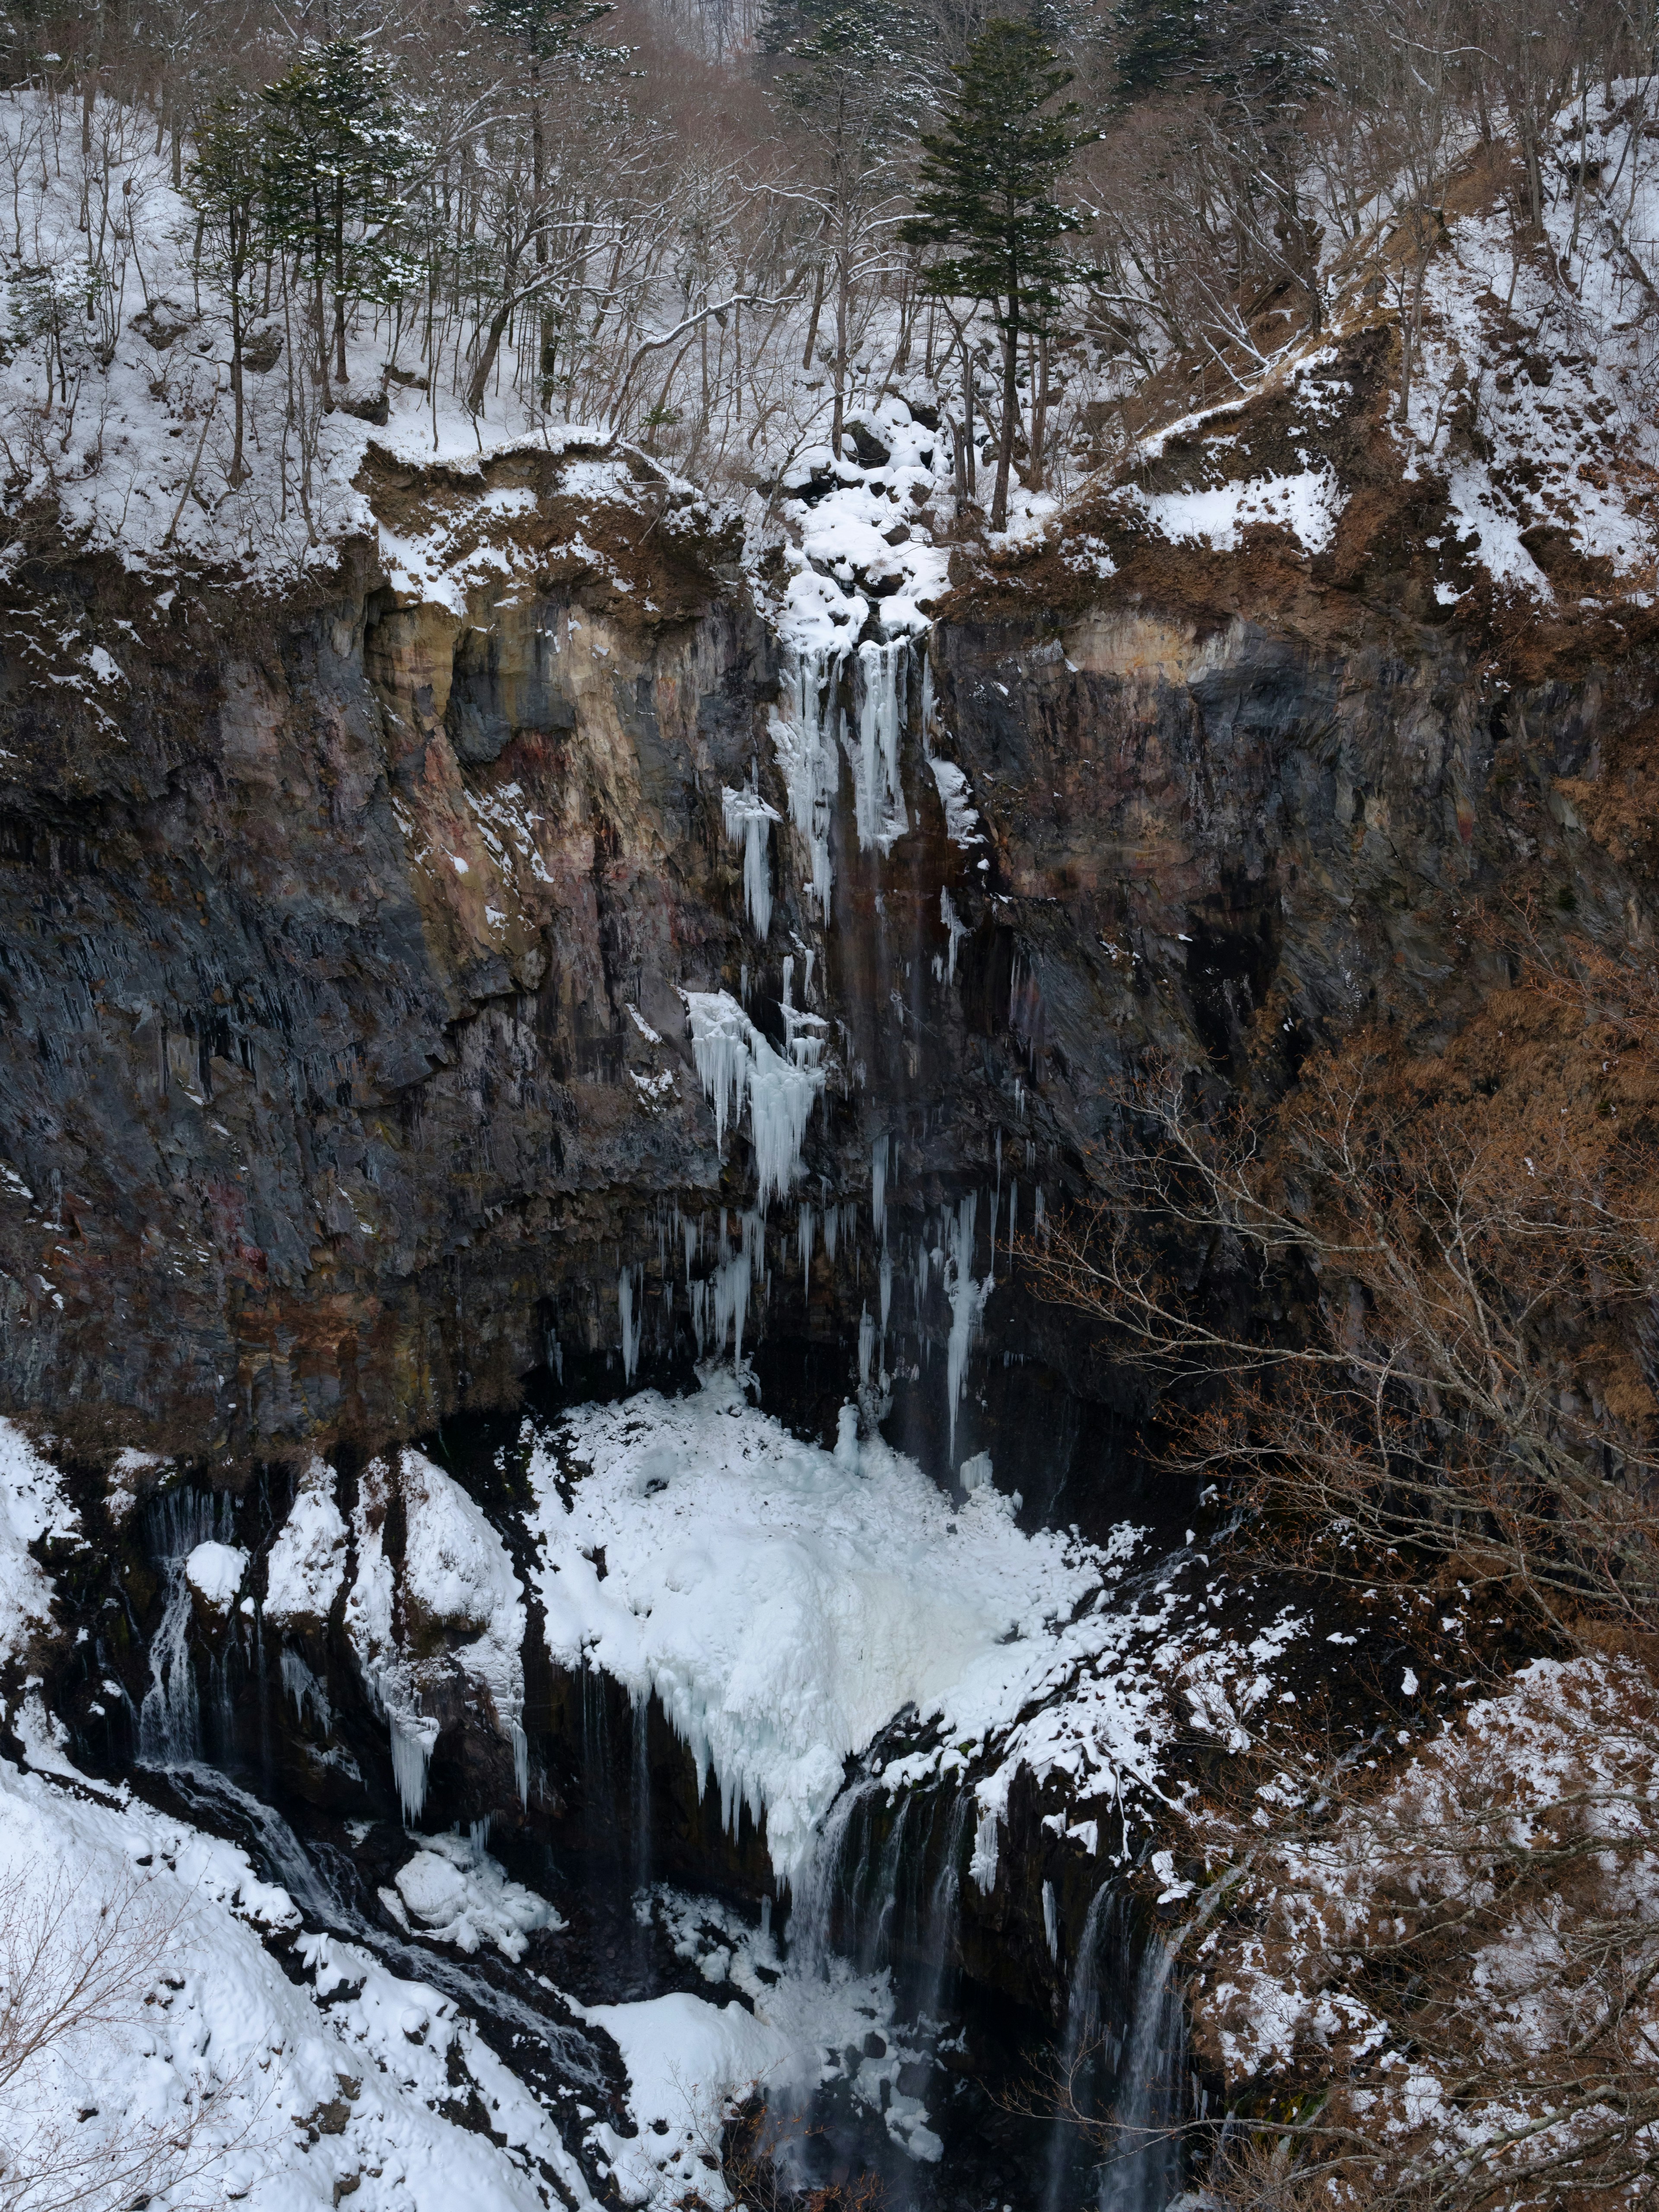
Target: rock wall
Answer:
pixel 343 1067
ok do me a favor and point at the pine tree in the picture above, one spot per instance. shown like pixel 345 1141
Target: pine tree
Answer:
pixel 335 147
pixel 225 184
pixel 989 181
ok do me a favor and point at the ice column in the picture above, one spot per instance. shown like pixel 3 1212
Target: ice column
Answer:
pixel 733 1057
pixel 414 1737
pixel 879 793
pixel 967 1301
pixel 749 822
pixel 633 1317
pixel 803 739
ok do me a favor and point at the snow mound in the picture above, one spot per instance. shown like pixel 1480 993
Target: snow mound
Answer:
pixel 685 2058
pixel 285 2090
pixel 461 1896
pixel 306 1562
pixel 785 1602
pixel 216 1572
pixel 463 1608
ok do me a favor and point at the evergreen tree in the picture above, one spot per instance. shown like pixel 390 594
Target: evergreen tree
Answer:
pixel 1164 46
pixel 987 197
pixel 224 184
pixel 335 148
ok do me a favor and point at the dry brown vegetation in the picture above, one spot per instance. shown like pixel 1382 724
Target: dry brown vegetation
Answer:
pixel 1405 1318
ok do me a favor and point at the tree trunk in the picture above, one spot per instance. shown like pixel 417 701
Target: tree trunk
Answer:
pixel 844 307
pixel 967 418
pixel 1010 416
pixel 1039 409
pixel 812 319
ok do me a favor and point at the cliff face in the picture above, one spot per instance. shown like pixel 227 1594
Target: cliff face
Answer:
pixel 320 922
pixel 341 940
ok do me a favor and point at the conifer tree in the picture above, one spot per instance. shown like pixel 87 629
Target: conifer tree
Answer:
pixel 987 198
pixel 224 184
pixel 335 147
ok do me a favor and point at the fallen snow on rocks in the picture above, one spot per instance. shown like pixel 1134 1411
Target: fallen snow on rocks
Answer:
pixel 462 1612
pixel 459 1895
pixel 785 1602
pixel 216 1572
pixel 306 1562
pixel 1307 504
pixel 31 1505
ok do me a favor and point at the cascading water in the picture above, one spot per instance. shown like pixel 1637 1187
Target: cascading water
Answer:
pixel 1123 2062
pixel 170 1718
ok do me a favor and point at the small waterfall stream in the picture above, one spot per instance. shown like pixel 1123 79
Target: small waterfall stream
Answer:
pixel 170 1719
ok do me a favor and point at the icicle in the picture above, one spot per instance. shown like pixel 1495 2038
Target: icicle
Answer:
pixel 1037 1228
pixel 1013 1219
pixel 878 795
pixel 983 1864
pixel 866 1346
pixel 879 1187
pixel 966 1298
pixel 884 1279
pixel 806 978
pixel 831 1231
pixel 732 1056
pixel 958 929
pixel 749 820
pixel 633 1325
pixel 413 1738
pixel 691 1234
pixel 520 1762
pixel 804 758
pixel 699 1293
pixel 803 1227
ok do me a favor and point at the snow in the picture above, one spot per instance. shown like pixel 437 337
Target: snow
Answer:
pixel 306 1562
pixel 1308 504
pixel 216 1572
pixel 783 1602
pixel 685 2058
pixel 461 1896
pixel 286 2090
pixel 456 1577
pixel 31 1505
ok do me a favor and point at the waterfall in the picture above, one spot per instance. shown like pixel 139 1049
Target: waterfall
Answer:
pixel 1138 2073
pixel 1144 2172
pixel 170 1718
pixel 807 761
pixel 879 794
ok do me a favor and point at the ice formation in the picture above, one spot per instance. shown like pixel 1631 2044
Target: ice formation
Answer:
pixel 878 795
pixel 749 822
pixel 733 1059
pixel 967 1299
pixel 783 1601
pixel 803 742
pixel 456 1577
